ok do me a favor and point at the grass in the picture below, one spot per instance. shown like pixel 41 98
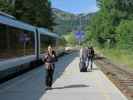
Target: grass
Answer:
pixel 118 56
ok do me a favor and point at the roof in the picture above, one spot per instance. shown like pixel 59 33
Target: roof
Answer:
pixel 7 15
pixel 10 21
pixel 48 33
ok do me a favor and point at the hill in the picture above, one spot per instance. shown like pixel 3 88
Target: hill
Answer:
pixel 68 22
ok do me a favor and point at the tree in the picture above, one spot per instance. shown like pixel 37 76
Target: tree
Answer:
pixel 70 39
pixel 62 41
pixel 38 12
pixel 125 35
pixel 104 26
pixel 6 7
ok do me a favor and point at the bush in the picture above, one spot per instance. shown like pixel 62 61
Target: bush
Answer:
pixel 125 35
pixel 70 39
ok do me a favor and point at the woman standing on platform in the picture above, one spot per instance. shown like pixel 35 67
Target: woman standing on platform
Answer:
pixel 49 60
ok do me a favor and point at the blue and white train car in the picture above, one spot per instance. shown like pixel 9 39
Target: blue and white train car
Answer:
pixel 21 45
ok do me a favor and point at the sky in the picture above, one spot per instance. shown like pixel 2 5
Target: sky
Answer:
pixel 75 6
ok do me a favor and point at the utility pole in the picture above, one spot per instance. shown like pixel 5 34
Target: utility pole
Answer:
pixel 80 23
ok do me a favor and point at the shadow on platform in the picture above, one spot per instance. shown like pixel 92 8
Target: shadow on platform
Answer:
pixel 72 86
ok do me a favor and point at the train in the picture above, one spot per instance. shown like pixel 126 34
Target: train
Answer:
pixel 22 46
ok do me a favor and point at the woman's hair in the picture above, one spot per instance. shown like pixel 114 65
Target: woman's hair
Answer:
pixel 49 47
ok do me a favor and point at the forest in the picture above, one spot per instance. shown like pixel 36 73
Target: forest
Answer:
pixel 110 30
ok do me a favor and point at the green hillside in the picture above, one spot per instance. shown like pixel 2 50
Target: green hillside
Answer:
pixel 68 22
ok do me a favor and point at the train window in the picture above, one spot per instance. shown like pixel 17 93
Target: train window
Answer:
pixel 45 41
pixel 15 42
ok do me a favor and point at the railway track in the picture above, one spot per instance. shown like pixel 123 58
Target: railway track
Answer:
pixel 120 76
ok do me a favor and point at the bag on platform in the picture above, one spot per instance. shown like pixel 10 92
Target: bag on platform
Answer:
pixel 82 67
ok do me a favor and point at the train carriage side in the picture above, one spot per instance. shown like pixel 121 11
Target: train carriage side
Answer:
pixel 46 38
pixel 18 45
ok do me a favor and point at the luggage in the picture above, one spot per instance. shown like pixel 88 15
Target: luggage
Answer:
pixel 82 67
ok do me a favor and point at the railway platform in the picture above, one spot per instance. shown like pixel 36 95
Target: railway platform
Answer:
pixel 69 84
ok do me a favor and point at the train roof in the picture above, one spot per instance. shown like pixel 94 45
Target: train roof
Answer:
pixel 48 33
pixel 7 15
pixel 11 21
